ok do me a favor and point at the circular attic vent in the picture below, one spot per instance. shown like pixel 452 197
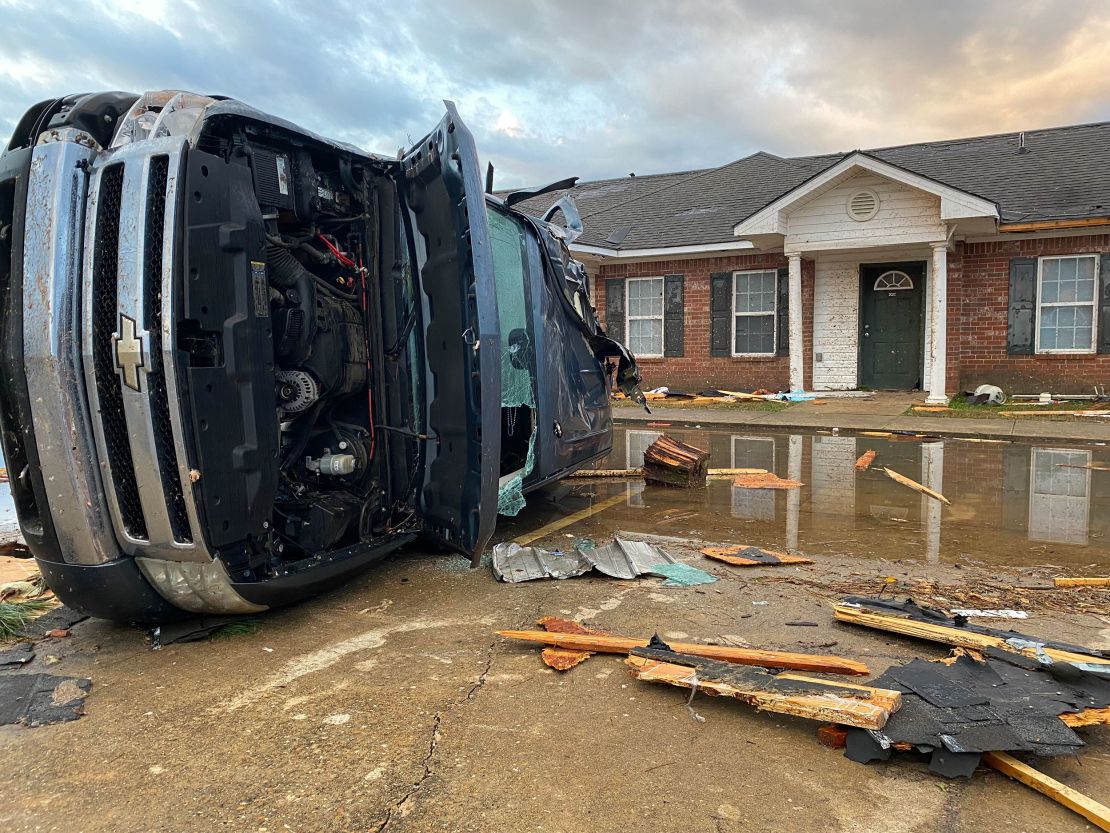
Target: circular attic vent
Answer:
pixel 863 205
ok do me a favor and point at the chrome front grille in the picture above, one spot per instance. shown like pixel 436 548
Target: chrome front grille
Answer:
pixel 129 343
pixel 105 319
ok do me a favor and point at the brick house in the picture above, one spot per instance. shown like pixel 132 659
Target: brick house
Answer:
pixel 936 266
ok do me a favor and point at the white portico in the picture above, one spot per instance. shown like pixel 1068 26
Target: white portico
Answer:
pixel 879 237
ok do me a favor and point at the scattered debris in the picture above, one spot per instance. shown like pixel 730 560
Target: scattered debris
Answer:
pixel 19 654
pixel 669 462
pixel 59 617
pixel 514 563
pixel 41 699
pixel 681 575
pixel 57 633
pixel 832 736
pixel 765 481
pixel 606 474
pixel 801 623
pixel 1081 582
pixel 970 703
pixel 200 628
pixel 866 459
pixel 930 409
pixel 794 694
pixel 612 644
pixel 15 549
pixel 990 614
pixel 627 559
pixel 1087 413
pixel 563 659
pixel 917 487
pixel 745 555
pixel 909 619
pixel 1097 814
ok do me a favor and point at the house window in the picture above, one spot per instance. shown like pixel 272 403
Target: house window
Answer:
pixel 645 317
pixel 893 280
pixel 1066 298
pixel 754 299
pixel 1059 495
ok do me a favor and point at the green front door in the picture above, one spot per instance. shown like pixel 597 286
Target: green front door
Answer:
pixel 890 325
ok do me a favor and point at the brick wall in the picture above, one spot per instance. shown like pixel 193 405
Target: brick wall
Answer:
pixel 978 290
pixel 978 321
pixel 696 369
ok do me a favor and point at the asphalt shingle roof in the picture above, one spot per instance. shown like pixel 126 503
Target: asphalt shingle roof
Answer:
pixel 1063 173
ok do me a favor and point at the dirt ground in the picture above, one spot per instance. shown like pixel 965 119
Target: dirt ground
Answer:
pixel 390 705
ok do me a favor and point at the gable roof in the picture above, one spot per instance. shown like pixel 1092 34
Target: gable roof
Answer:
pixel 1063 173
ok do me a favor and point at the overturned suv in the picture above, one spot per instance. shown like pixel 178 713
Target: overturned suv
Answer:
pixel 242 361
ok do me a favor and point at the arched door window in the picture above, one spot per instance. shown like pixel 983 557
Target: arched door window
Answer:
pixel 893 280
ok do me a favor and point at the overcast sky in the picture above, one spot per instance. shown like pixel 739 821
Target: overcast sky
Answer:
pixel 594 88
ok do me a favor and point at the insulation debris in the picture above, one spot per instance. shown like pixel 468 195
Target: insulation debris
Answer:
pixel 41 699
pixel 681 575
pixel 794 694
pixel 613 644
pixel 866 459
pixel 745 555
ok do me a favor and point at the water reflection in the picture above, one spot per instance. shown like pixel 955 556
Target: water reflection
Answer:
pixel 1009 500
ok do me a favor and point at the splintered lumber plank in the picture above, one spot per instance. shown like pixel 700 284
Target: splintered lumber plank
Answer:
pixel 563 659
pixel 953 636
pixel 1092 412
pixel 1081 582
pixel 768 480
pixel 1097 814
pixel 917 487
pixel 731 555
pixel 866 459
pixel 831 706
pixel 726 653
pixel 930 409
pixel 673 463
pixel 1087 717
pixel 885 697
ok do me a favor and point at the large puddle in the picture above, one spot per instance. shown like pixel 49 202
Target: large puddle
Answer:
pixel 1012 504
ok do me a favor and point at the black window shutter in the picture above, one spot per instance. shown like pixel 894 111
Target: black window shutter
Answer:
pixel 673 311
pixel 614 309
pixel 1021 332
pixel 1104 304
pixel 782 347
pixel 720 314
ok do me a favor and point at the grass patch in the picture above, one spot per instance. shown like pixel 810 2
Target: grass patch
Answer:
pixel 244 627
pixel 14 616
pixel 962 409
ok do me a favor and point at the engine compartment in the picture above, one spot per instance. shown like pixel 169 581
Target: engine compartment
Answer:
pixel 312 273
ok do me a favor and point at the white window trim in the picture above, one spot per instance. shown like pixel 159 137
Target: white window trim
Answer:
pixel 1093 304
pixel 773 313
pixel 732 447
pixel 662 316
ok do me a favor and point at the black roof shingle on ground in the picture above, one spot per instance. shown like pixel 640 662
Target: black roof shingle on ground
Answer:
pixel 1062 173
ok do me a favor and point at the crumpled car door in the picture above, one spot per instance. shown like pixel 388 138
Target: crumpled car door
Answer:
pixel 441 190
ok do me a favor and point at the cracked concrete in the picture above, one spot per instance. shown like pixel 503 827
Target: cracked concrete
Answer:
pixel 451 729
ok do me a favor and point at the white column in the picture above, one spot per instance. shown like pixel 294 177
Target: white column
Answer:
pixel 932 475
pixel 793 496
pixel 797 367
pixel 938 325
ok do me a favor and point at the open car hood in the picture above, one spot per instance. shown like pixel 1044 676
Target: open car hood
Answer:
pixel 441 191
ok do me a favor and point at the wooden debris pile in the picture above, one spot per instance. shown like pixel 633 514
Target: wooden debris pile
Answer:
pixel 669 462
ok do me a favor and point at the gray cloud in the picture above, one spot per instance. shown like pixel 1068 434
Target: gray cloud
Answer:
pixel 590 88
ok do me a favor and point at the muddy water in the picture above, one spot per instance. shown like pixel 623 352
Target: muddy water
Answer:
pixel 1012 504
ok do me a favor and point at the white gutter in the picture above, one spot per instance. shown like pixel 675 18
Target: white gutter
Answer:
pixel 600 251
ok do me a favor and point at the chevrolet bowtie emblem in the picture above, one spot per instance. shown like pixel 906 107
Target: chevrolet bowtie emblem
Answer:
pixel 128 350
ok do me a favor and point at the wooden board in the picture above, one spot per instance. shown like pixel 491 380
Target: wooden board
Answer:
pixel 866 459
pixel 726 653
pixel 917 487
pixel 670 462
pixel 563 659
pixel 1081 582
pixel 768 480
pixel 730 555
pixel 930 409
pixel 1097 814
pixel 597 474
pixel 1043 413
pixel 1087 717
pixel 952 636
pixel 870 710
